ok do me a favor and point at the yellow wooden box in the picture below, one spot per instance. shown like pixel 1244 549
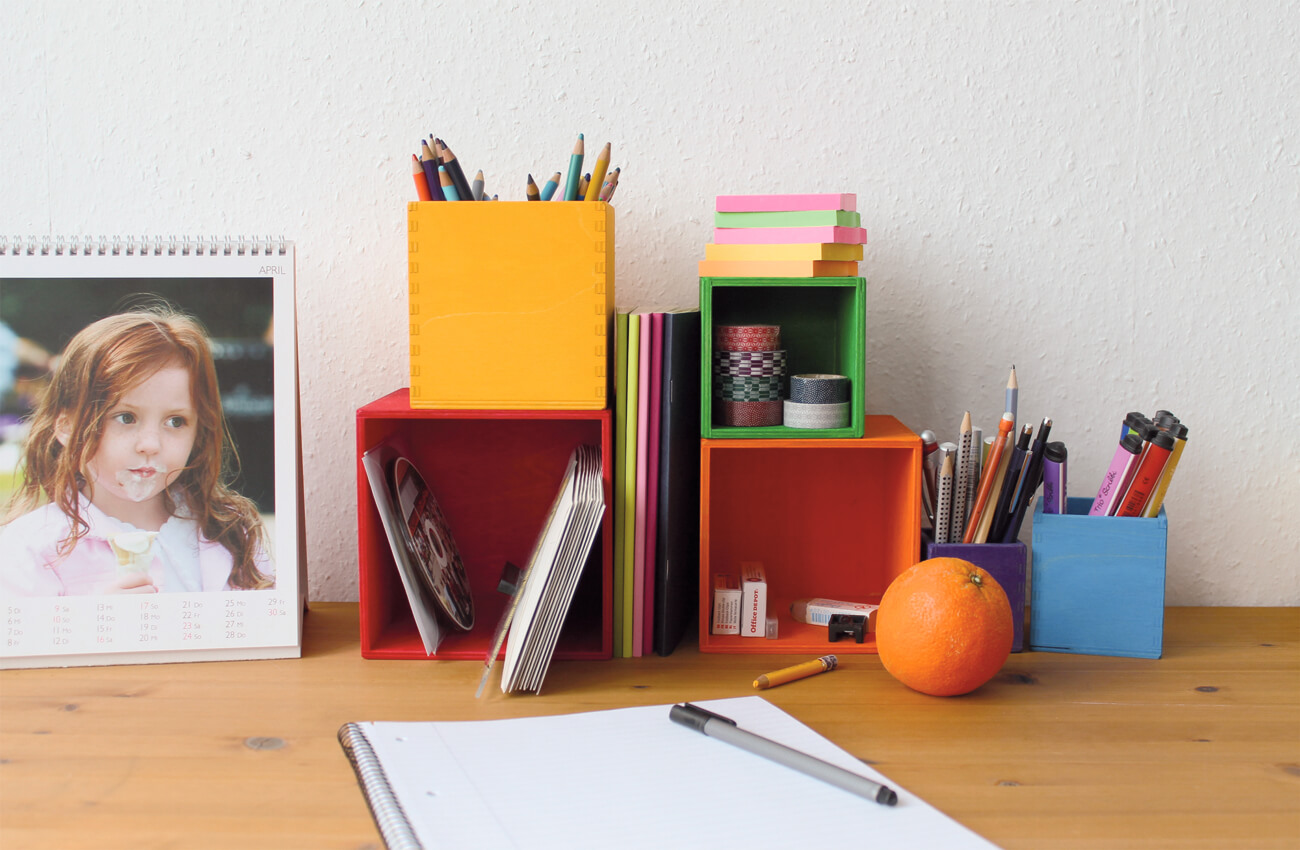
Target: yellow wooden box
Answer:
pixel 512 304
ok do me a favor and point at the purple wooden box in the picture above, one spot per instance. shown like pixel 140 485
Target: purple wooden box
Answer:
pixel 1006 562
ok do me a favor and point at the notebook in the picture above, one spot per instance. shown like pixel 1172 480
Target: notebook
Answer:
pixel 207 600
pixel 626 778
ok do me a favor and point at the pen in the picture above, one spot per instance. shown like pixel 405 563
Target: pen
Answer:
pixel 796 671
pixel 1147 476
pixel 1032 477
pixel 1016 467
pixel 1054 487
pixel 1158 498
pixel 929 473
pixel 1117 474
pixel 725 729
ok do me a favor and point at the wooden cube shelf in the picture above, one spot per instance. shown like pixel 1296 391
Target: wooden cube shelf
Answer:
pixel 834 518
pixel 495 474
pixel 823 331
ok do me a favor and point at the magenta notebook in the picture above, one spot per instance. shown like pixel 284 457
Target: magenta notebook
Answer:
pixel 642 451
pixel 652 486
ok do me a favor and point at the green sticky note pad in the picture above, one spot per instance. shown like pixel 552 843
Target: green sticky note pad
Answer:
pixel 804 218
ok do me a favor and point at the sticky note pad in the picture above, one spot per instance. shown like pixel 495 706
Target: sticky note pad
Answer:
pixel 786 203
pixel 793 251
pixel 804 218
pixel 511 304
pixel 777 268
pixel 789 235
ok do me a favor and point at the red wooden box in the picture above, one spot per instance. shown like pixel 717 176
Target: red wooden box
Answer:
pixel 495 474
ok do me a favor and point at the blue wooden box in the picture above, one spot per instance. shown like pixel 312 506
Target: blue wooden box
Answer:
pixel 1098 583
pixel 1006 562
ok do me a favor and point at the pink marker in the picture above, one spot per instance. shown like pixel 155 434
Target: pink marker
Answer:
pixel 1117 477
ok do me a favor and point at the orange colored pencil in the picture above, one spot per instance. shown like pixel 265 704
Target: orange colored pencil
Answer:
pixel 990 473
pixel 421 182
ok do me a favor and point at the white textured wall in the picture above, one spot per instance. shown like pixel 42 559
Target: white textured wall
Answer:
pixel 1105 194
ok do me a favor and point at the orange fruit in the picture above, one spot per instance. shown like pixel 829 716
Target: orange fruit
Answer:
pixel 944 627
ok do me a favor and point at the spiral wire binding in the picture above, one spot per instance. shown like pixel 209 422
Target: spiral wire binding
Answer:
pixel 142 246
pixel 384 806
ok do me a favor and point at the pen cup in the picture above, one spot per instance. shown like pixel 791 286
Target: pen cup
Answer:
pixel 1098 583
pixel 1006 562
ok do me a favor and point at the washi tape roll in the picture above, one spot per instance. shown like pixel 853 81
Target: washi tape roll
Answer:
pixel 755 388
pixel 751 414
pixel 819 389
pixel 730 359
pixel 816 415
pixel 770 371
pixel 747 337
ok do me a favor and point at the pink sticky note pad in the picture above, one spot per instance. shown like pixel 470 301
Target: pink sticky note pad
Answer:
pixel 787 203
pixel 789 235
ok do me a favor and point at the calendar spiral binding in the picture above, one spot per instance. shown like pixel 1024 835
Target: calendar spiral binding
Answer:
pixel 142 246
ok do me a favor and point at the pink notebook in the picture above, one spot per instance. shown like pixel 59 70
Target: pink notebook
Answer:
pixel 652 487
pixel 642 436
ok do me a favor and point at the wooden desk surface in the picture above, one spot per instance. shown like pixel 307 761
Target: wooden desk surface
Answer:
pixel 1198 750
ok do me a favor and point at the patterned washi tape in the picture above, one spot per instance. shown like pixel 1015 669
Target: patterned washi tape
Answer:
pixel 751 414
pixel 749 388
pixel 735 359
pixel 819 389
pixel 747 337
pixel 816 415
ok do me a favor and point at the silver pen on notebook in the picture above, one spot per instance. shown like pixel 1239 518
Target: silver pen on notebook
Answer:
pixel 725 729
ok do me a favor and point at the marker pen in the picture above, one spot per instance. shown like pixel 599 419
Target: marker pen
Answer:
pixel 1132 424
pixel 1119 474
pixel 1054 457
pixel 1148 474
pixel 1157 499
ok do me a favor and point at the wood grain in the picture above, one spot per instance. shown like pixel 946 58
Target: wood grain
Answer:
pixel 1200 749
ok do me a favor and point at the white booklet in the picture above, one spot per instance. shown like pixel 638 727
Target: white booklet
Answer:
pixel 531 623
pixel 149 451
pixel 627 778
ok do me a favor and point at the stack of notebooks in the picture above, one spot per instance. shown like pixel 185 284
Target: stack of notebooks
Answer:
pixel 818 235
pixel 656 478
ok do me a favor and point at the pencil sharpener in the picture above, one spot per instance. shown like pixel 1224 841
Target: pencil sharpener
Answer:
pixel 846 625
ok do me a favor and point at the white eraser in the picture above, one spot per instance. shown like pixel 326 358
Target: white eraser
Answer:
pixel 726 605
pixel 753 600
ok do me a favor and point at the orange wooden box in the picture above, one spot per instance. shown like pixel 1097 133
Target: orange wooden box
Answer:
pixel 511 304
pixel 833 518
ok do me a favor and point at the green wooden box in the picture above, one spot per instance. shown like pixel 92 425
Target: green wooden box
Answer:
pixel 823 331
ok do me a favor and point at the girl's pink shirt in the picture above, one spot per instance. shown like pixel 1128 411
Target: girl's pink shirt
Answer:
pixel 30 564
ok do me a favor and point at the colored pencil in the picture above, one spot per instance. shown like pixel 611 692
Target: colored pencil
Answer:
pixel 598 174
pixel 476 188
pixel 421 182
pixel 457 174
pixel 532 191
pixel 448 185
pixel 551 185
pixel 429 162
pixel 575 171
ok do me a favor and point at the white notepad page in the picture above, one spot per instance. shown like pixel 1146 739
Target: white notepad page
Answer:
pixel 631 778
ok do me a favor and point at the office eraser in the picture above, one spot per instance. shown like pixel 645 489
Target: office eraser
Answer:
pixel 817 612
pixel 753 599
pixel 726 605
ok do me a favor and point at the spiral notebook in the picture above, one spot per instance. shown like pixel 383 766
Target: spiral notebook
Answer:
pixel 625 778
pixel 210 528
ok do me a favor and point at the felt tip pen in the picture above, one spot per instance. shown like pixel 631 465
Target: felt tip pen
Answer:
pixel 1158 498
pixel 1118 474
pixel 796 671
pixel 1147 477
pixel 1054 493
pixel 725 729
pixel 929 473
